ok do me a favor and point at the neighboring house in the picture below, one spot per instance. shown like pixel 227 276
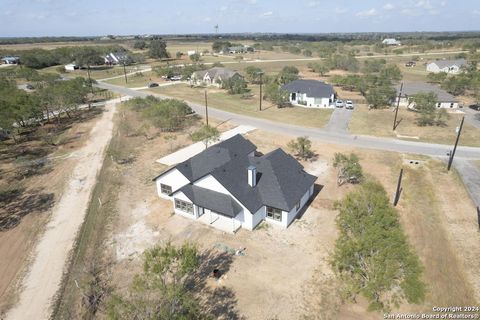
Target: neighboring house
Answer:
pixel 229 186
pixel 239 49
pixel 213 77
pixel 391 42
pixel 448 66
pixel 71 67
pixel 310 93
pixel 191 52
pixel 115 58
pixel 445 99
pixel 10 60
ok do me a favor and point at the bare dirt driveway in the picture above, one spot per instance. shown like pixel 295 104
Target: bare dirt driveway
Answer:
pixel 48 263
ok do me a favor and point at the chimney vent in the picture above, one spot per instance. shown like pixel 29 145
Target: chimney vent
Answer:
pixel 252 176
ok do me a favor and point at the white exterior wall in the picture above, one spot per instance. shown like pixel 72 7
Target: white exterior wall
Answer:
pixel 447 105
pixel 311 102
pixel 173 178
pixel 433 67
pixel 183 197
pixel 244 217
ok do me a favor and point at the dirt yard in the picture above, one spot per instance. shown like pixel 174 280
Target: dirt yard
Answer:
pixel 34 176
pixel 285 274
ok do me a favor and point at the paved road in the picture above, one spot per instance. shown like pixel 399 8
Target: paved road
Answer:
pixel 339 120
pixel 471 178
pixel 472 117
pixel 368 142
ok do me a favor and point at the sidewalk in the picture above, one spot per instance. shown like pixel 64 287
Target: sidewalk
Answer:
pixel 188 152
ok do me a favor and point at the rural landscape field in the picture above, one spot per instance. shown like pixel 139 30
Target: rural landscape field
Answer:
pixel 240 160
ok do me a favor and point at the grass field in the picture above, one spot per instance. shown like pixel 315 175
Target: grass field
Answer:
pixel 380 122
pixel 219 99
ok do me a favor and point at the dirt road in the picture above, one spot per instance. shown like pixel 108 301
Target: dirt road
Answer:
pixel 50 256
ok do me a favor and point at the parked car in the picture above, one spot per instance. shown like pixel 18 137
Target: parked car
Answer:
pixel 349 104
pixel 339 104
pixel 153 85
pixel 410 64
pixel 175 78
pixel 29 86
pixel 475 107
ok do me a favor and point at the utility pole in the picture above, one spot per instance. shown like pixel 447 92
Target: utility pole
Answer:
pixel 261 83
pixel 89 78
pixel 452 154
pixel 396 110
pixel 478 217
pixel 399 189
pixel 206 107
pixel 125 72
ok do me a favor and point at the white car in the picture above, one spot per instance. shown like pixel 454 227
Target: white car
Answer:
pixel 349 104
pixel 339 104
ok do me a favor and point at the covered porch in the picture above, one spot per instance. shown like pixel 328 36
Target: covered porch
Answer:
pixel 220 222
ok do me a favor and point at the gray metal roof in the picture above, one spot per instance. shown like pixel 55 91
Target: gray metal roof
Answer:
pixel 412 88
pixel 215 201
pixel 313 88
pixel 449 63
pixel 216 72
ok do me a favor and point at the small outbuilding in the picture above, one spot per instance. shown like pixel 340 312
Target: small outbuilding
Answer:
pixel 71 67
pixel 10 60
pixel 310 93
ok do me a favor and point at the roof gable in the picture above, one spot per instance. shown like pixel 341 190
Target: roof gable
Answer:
pixel 312 88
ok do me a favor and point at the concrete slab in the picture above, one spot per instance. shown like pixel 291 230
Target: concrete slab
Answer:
pixel 188 152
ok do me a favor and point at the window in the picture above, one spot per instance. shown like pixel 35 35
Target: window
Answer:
pixel 184 206
pixel 165 189
pixel 274 213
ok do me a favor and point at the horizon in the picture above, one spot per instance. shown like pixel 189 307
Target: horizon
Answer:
pixel 55 18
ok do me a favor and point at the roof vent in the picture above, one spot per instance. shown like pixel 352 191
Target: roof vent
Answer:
pixel 252 176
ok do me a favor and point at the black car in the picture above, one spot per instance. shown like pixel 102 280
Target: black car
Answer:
pixel 475 107
pixel 152 85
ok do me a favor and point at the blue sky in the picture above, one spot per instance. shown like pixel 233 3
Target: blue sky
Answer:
pixel 100 17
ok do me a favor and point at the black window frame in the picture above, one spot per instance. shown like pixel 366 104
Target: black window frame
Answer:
pixel 272 212
pixel 184 206
pixel 162 186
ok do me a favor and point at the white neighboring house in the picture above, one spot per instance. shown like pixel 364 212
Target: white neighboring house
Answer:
pixel 445 99
pixel 310 93
pixel 213 77
pixel 71 67
pixel 115 58
pixel 391 42
pixel 10 60
pixel 448 66
pixel 191 52
pixel 229 187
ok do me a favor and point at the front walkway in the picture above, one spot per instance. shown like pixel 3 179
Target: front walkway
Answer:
pixel 194 149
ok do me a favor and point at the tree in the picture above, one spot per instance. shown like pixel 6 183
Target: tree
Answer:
pixel 219 45
pixel 161 291
pixel 277 95
pixel 372 255
pixel 287 74
pixel 436 77
pixel 307 53
pixel 88 57
pixel 425 106
pixel 235 85
pixel 302 147
pixel 179 54
pixel 349 168
pixel 195 57
pixel 158 49
pixel 253 74
pixel 380 96
pixel 168 115
pixel 206 134
pixel 140 44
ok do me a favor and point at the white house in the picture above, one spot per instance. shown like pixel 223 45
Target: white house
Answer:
pixel 444 99
pixel 228 186
pixel 191 52
pixel 310 93
pixel 115 58
pixel 71 67
pixel 448 66
pixel 391 42
pixel 213 77
pixel 10 60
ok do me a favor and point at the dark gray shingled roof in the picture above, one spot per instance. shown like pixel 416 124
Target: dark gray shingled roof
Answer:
pixel 313 88
pixel 215 201
pixel 215 156
pixel 412 88
pixel 281 180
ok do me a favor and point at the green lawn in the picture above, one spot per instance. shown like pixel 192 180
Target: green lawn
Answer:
pixel 379 123
pixel 219 99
